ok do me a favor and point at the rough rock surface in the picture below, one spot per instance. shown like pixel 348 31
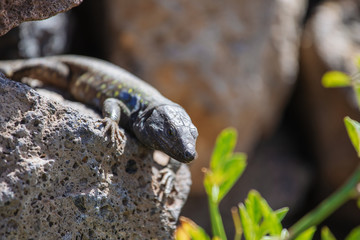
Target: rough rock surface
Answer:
pixel 330 42
pixel 14 12
pixel 229 63
pixel 59 179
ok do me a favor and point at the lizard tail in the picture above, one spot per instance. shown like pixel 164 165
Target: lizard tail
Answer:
pixel 45 70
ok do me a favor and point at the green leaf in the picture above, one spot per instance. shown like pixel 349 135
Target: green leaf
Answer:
pixel 353 130
pixel 326 234
pixel 259 221
pixel 354 234
pixel 336 79
pixel 271 222
pixel 281 213
pixel 263 219
pixel 225 144
pixel 231 171
pixel 225 168
pixel 252 204
pixel 250 229
pixel 307 234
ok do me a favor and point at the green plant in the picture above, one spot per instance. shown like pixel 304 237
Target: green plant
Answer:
pixel 254 219
pixel 225 169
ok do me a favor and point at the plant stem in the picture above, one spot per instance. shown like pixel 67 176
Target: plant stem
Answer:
pixel 216 221
pixel 237 223
pixel 328 206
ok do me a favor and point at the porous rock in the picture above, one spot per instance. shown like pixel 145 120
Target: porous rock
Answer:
pixel 14 12
pixel 60 179
pixel 228 63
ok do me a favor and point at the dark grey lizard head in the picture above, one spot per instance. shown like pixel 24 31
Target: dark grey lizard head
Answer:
pixel 168 128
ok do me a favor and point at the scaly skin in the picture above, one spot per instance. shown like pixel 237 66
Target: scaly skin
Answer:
pixel 124 99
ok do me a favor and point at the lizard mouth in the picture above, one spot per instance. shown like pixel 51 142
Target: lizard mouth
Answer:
pixel 189 157
pixel 183 155
pixel 190 153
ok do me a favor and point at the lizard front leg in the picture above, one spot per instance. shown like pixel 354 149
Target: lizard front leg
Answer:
pixel 111 110
pixel 166 177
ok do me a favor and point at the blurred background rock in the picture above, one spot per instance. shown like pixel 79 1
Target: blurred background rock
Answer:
pixel 254 65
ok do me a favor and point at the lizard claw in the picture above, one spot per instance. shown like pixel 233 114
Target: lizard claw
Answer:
pixel 116 134
pixel 167 178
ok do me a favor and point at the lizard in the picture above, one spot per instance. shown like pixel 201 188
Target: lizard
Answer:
pixel 125 100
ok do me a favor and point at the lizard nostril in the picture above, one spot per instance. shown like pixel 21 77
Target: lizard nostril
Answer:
pixel 189 155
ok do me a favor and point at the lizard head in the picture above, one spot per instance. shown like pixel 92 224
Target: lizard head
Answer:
pixel 168 128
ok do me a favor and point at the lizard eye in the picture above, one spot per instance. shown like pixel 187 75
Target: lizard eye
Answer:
pixel 171 132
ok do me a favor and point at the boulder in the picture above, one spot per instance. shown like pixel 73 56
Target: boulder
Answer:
pixel 228 63
pixel 330 42
pixel 14 12
pixel 61 179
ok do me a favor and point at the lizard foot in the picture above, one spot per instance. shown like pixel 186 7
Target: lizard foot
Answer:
pixel 167 179
pixel 116 134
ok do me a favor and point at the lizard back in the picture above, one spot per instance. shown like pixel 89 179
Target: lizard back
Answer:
pixel 93 80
